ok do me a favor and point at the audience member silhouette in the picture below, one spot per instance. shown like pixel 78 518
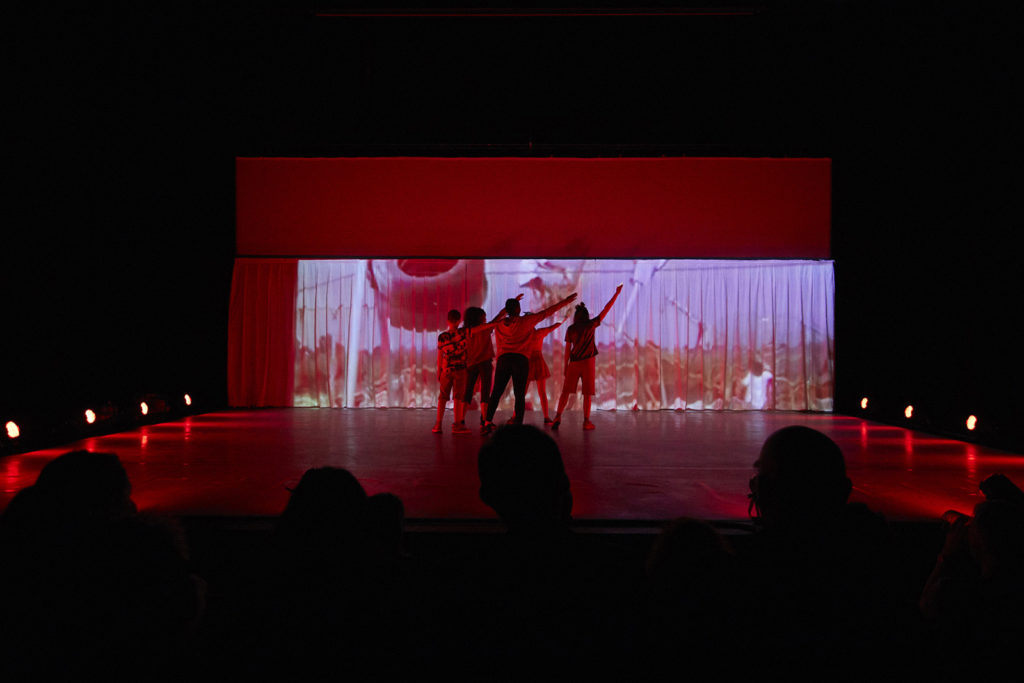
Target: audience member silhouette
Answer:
pixel 820 570
pixel 548 602
pixel 522 477
pixel 92 588
pixel 323 519
pixel 800 487
pixel 691 601
pixel 325 592
pixel 96 589
pixel 974 598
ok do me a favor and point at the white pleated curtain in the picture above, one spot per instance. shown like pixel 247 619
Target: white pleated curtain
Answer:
pixel 684 334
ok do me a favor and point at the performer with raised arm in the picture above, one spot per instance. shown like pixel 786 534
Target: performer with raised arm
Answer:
pixel 580 359
pixel 453 346
pixel 514 335
pixel 539 371
pixel 479 352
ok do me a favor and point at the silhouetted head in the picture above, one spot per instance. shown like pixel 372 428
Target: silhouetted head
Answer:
pixel 997 537
pixel 801 479
pixel 512 307
pixel 523 478
pixel 582 315
pixel 86 484
pixel 325 498
pixel 454 317
pixel 474 316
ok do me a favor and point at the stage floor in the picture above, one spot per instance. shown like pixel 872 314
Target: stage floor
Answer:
pixel 635 467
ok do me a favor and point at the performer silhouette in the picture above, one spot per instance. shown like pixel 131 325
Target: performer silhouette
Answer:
pixel 580 359
pixel 514 335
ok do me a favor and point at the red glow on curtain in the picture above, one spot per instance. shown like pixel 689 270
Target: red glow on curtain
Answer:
pixel 261 333
pixel 509 207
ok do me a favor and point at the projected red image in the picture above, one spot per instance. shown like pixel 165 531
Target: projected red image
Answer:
pixel 685 334
pixel 409 286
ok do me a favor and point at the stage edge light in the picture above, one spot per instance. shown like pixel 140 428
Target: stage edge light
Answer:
pixel 90 416
pixel 972 422
pixel 909 412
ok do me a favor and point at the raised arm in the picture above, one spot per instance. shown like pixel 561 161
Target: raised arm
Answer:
pixel 487 327
pixel 554 307
pixel 608 306
pixel 545 331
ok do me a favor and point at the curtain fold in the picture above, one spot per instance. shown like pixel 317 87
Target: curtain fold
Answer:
pixel 261 333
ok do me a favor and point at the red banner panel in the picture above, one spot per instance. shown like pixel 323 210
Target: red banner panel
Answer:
pixel 523 207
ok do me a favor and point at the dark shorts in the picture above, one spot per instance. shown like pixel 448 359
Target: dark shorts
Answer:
pixel 454 379
pixel 581 369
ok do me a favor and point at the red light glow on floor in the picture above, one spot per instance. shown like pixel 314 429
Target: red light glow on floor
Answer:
pixel 636 466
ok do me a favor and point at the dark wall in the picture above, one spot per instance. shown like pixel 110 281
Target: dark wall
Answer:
pixel 924 221
pixel 119 243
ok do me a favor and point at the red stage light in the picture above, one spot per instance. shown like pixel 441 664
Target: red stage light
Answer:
pixel 972 422
pixel 188 400
pixel 143 408
pixel 12 430
pixel 90 416
pixel 909 412
pixel 864 403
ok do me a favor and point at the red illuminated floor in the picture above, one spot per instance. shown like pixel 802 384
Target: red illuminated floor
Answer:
pixel 635 466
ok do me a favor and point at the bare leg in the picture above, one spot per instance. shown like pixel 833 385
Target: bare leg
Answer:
pixel 562 400
pixel 542 389
pixel 483 411
pixel 440 414
pixel 587 424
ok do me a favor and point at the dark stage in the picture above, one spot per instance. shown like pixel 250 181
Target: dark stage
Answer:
pixel 635 468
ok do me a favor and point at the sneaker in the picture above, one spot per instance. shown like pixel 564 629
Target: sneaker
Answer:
pixel 487 428
pixel 557 421
pixel 588 425
pixel 511 420
pixel 437 428
pixel 460 428
pixel 548 421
